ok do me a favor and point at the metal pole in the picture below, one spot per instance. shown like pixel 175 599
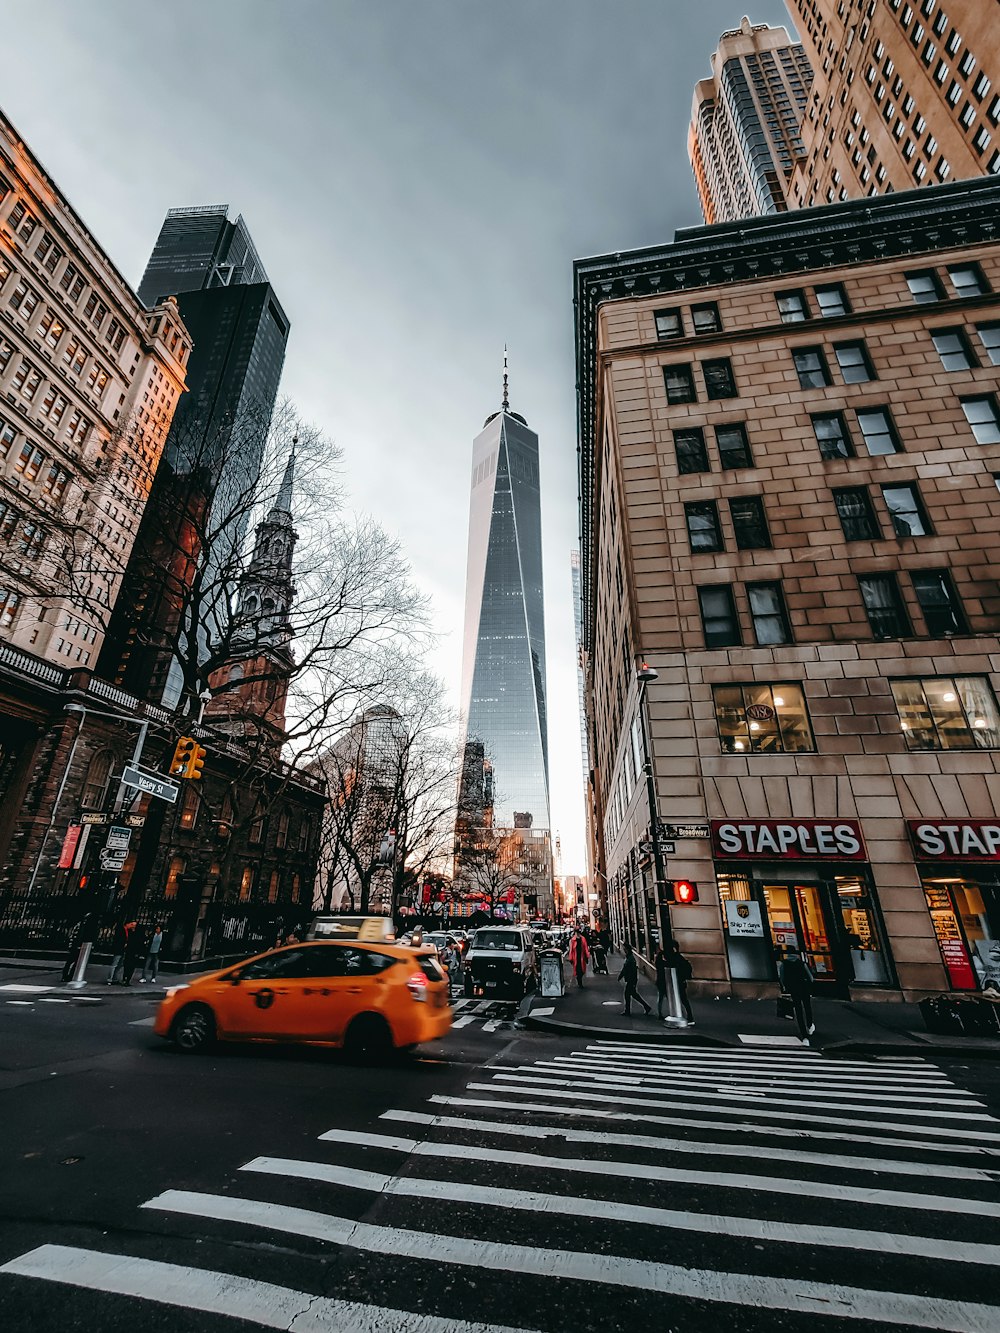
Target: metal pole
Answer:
pixel 80 973
pixel 676 1015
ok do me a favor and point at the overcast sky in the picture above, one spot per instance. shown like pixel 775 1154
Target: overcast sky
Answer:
pixel 418 176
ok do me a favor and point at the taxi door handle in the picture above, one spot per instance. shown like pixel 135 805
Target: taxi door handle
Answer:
pixel 355 990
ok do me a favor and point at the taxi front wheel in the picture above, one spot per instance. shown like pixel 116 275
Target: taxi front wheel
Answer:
pixel 194 1028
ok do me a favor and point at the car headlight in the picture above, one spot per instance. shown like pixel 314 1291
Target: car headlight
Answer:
pixel 176 990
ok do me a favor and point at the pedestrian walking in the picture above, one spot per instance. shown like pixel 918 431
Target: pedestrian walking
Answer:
pixel 630 976
pixel 579 955
pixel 600 956
pixel 151 965
pixel 796 980
pixel 607 943
pixel 672 960
pixel 119 943
pixel 134 950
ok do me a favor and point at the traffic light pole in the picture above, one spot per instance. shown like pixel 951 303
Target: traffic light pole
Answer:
pixel 80 972
pixel 663 925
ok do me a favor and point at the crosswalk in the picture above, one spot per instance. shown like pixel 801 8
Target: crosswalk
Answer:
pixel 635 1184
pixel 491 1015
pixel 22 995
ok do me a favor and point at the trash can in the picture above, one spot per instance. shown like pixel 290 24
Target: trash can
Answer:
pixel 552 973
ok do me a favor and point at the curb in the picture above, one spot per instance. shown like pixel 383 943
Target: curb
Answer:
pixel 658 1037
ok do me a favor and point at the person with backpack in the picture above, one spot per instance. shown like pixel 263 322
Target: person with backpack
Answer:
pixel 796 979
pixel 629 975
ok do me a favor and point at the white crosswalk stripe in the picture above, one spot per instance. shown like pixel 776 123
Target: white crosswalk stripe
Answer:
pixel 746 1169
pixel 489 1015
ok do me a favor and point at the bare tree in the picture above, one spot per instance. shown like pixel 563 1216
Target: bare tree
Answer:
pixel 491 867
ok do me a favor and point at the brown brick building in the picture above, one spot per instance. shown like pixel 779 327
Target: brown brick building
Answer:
pixel 904 94
pixel 790 452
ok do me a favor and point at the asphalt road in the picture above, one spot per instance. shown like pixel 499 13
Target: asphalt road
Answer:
pixel 503 1179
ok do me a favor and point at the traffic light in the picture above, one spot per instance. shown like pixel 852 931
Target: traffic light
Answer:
pixel 196 763
pixel 682 891
pixel 183 751
pixel 188 760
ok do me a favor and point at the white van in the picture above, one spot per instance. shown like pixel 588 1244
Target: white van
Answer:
pixel 500 962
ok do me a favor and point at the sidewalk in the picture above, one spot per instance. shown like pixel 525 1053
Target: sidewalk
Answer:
pixel 44 975
pixel 858 1027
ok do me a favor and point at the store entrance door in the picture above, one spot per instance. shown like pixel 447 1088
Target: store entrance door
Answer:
pixel 800 917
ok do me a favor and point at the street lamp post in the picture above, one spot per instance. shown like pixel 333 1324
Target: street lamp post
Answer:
pixel 645 675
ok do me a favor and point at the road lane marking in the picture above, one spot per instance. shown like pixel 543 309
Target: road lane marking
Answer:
pixel 463 1022
pixel 142 1022
pixel 713 1093
pixel 763 1040
pixel 24 988
pixel 542 1013
pixel 790 1087
pixel 224 1293
pixel 800 1058
pixel 794 1294
pixel 885 1165
pixel 736 1127
pixel 814 1189
pixel 930 1077
pixel 492 1025
pixel 749 1228
pixel 608 1093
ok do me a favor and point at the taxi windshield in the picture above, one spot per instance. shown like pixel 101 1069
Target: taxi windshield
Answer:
pixel 499 939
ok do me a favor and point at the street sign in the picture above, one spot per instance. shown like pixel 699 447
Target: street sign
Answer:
pixel 685 831
pixel 151 783
pixel 112 860
pixel 667 848
pixel 95 819
pixel 69 846
pixel 133 821
pixel 118 839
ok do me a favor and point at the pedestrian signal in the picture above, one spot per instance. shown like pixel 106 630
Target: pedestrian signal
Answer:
pixel 682 891
pixel 183 751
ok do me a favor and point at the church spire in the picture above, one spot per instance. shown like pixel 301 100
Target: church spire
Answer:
pixel 283 503
pixel 505 404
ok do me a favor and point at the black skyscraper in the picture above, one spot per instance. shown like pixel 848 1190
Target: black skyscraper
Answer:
pixel 196 518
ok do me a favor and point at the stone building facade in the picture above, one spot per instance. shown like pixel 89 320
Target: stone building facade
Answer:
pixel 790 509
pixel 904 95
pixel 89 381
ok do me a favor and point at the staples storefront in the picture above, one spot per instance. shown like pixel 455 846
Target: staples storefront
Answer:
pixel 802 884
pixel 959 864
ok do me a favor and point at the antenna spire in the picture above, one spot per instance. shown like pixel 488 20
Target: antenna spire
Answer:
pixel 506 400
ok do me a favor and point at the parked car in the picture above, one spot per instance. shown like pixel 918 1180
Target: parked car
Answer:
pixel 501 961
pixel 367 998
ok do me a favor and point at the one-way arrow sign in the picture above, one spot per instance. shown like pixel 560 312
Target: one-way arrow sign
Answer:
pixel 150 783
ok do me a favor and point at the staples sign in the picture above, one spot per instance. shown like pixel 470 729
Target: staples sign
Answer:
pixel 955 840
pixel 777 839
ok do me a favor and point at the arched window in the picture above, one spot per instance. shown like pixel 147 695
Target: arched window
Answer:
pixel 246 883
pixel 296 887
pixel 95 784
pixel 267 606
pixel 272 888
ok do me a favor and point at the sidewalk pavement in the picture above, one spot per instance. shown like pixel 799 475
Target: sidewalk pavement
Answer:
pixel 44 974
pixel 842 1026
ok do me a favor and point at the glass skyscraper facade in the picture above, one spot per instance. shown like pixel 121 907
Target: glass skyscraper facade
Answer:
pixel 503 678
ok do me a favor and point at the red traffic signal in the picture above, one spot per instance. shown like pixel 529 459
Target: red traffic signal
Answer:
pixel 682 891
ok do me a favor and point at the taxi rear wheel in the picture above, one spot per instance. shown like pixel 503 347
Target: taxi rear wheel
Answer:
pixel 368 1038
pixel 194 1028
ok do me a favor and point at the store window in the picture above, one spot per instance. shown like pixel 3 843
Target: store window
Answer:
pixel 964 913
pixel 762 719
pixel 947 713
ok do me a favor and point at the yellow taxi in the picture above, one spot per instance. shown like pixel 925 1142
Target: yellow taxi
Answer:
pixel 365 997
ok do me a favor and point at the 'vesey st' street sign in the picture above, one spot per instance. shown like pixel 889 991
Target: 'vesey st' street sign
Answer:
pixel 150 783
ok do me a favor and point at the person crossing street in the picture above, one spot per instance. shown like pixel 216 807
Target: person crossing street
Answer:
pixel 579 955
pixel 629 975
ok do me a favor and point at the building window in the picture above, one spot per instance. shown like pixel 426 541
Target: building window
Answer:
pixel 832 435
pixel 909 518
pixel 679 383
pixel 256 833
pixel 734 447
pixel 768 614
pixel 878 430
pixel 989 336
pixel 982 415
pixel 967 279
pixel 981 139
pixel 832 300
pixel 811 367
pixel 884 606
pixel 981 87
pixel 669 323
pixel 925 286
pixel 856 514
pixel 854 362
pixel 953 347
pixel 947 713
pixel 95 784
pixel 705 318
pixel 272 887
pixel 749 523
pixel 175 873
pixel 939 602
pixel 704 532
pixel 719 620
pixel 246 883
pixel 719 381
pixel 189 810
pixel 769 719
pixel 281 835
pixel 689 446
pixel 792 306
pixel 8 607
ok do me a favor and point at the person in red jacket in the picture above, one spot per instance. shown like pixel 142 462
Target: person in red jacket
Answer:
pixel 579 955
